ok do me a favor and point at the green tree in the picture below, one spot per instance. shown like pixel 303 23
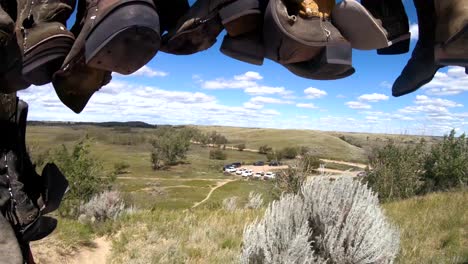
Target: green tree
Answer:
pixel 264 149
pixel 274 155
pixel 289 152
pixel 396 170
pixel 446 166
pixel 85 175
pixel 217 154
pixel 240 147
pixel 170 146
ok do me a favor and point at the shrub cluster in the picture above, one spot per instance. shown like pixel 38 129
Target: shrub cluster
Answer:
pixel 329 221
pixel 398 172
pixel 217 154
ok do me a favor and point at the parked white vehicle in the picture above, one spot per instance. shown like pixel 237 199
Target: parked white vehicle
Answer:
pixel 240 171
pixel 247 173
pixel 270 175
pixel 231 169
pixel 258 175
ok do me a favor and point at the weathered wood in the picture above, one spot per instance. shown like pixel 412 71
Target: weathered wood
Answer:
pixel 7 106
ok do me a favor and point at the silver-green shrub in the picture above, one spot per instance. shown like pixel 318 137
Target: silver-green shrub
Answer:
pixel 332 220
pixel 255 201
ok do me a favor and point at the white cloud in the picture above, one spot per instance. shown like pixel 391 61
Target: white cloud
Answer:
pixel 268 100
pixel 425 100
pixel 385 84
pixel 424 109
pixel 310 106
pixel 373 98
pixel 454 82
pixel 250 105
pixel 358 105
pixel 249 82
pixel 414 30
pixel 148 72
pixel 314 93
pixel 340 96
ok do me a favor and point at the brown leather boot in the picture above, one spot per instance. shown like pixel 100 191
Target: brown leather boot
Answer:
pixel 198 29
pixel 11 79
pixel 43 37
pixel 451 35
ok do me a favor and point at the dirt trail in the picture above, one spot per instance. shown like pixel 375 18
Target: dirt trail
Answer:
pixel 359 165
pixel 95 255
pixel 220 184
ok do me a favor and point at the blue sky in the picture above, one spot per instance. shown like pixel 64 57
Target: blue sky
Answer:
pixel 210 88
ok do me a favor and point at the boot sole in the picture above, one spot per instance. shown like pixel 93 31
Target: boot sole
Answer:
pixel 243 49
pixel 241 17
pixel 125 40
pixel 199 38
pixel 400 45
pixel 44 59
pixel 358 26
pixel 442 57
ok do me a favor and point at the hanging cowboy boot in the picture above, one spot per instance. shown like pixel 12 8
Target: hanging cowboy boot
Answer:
pixel 11 79
pixel 198 28
pixel 247 48
pixel 115 35
pixel 170 12
pixel 43 37
pixel 17 174
pixel 374 24
pixel 421 67
pixel 291 34
pixel 451 35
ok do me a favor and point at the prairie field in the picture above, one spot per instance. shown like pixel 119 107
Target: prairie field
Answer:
pixel 177 214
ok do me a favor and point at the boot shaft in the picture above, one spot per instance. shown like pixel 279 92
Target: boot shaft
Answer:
pixel 452 17
pixel 391 14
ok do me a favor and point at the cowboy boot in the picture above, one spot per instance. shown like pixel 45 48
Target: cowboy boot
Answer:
pixel 11 79
pixel 43 37
pixel 198 28
pixel 170 12
pixel 374 24
pixel 17 174
pixel 451 32
pixel 291 36
pixel 247 48
pixel 421 67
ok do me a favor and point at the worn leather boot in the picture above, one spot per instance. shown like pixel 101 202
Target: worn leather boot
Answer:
pixel 291 35
pixel 18 176
pixel 374 24
pixel 115 35
pixel 451 35
pixel 11 78
pixel 421 67
pixel 170 12
pixel 43 37
pixel 198 29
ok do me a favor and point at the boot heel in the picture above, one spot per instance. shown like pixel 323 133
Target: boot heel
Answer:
pixel 247 48
pixel 43 60
pixel 126 40
pixel 400 47
pixel 338 54
pixel 241 17
pixel 452 52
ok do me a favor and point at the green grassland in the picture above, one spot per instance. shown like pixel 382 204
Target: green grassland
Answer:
pixel 433 228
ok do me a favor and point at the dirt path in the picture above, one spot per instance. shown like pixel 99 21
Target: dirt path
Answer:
pixel 95 255
pixel 359 165
pixel 165 179
pixel 220 184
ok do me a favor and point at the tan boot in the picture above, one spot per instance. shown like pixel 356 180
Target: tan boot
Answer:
pixel 451 37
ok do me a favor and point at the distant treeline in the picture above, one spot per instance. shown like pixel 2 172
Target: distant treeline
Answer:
pixel 130 124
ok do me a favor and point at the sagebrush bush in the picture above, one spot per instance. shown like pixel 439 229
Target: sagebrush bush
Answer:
pixel 332 220
pixel 217 154
pixel 255 201
pixel 230 204
pixel 104 206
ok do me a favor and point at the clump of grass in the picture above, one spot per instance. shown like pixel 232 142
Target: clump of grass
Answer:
pixel 434 228
pixel 174 236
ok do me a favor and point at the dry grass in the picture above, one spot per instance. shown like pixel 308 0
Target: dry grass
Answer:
pixel 434 228
pixel 164 236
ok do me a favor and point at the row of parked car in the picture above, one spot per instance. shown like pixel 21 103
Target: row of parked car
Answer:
pixel 247 173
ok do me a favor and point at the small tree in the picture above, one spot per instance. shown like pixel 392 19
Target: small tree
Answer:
pixel 289 152
pixel 446 166
pixel 85 175
pixel 264 149
pixel 291 179
pixel 217 154
pixel 169 146
pixel 240 147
